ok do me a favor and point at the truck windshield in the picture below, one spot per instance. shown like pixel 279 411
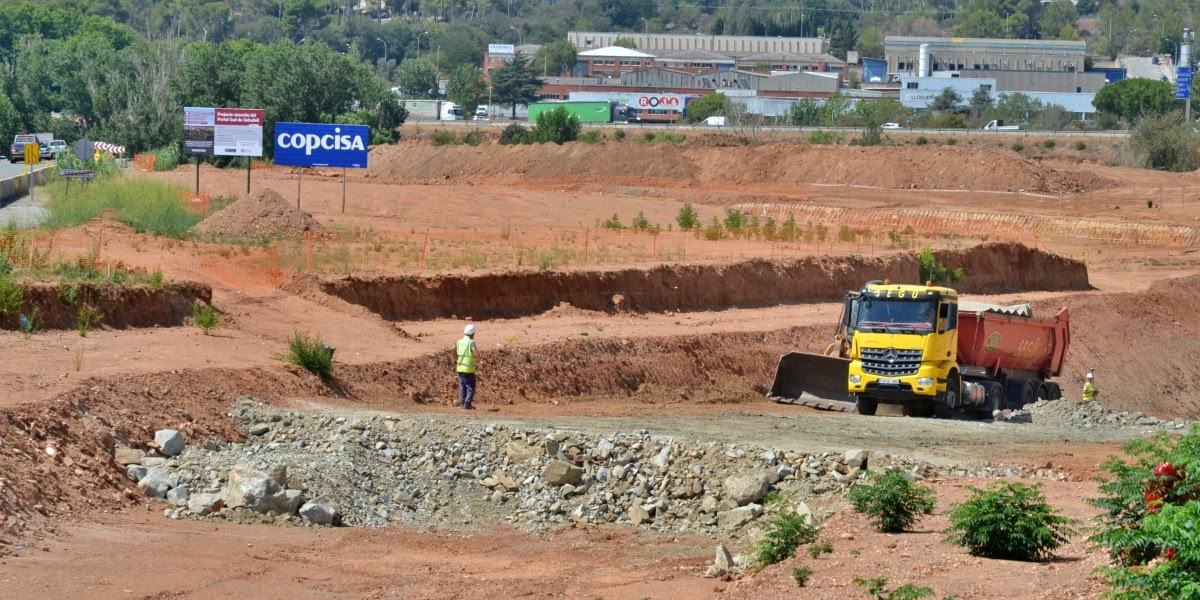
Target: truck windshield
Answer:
pixel 891 315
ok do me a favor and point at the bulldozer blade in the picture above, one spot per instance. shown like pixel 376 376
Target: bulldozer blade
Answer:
pixel 813 380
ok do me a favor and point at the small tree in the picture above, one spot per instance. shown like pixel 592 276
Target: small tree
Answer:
pixel 515 83
pixel 558 126
pixel 932 271
pixel 948 100
pixel 467 87
pixel 894 503
pixel 707 106
pixel 687 218
pixel 416 79
pixel 1010 521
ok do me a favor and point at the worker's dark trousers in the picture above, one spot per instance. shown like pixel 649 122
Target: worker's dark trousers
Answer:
pixel 466 389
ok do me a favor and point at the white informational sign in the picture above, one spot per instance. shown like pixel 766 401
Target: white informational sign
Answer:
pixel 222 131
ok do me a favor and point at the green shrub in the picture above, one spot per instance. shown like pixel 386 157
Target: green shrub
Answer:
pixel 592 136
pixel 674 138
pixel 12 296
pixel 648 137
pixel 1148 520
pixel 1018 146
pixel 640 222
pixel 921 140
pixel 735 219
pixel 687 218
pixel 311 353
pixel 613 222
pixel 87 317
pixel 1164 142
pixel 1010 521
pixel 28 324
pixel 846 234
pixel 893 502
pixel 877 589
pixel 443 137
pixel 816 549
pixel 557 126
pixel 783 535
pixel 205 317
pixel 515 134
pixel 824 138
pixel 1048 144
pixel 801 575
pixel 951 141
pixel 474 137
pixel 619 134
pixel 167 158
pixel 156 278
pixel 930 270
pixel 1080 146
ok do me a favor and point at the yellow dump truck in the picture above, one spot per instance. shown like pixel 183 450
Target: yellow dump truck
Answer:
pixel 920 347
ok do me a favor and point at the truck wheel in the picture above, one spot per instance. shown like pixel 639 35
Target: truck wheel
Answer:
pixel 1014 393
pixel 946 403
pixel 866 406
pixel 1053 391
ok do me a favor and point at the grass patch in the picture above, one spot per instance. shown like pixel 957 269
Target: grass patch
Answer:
pixel 146 205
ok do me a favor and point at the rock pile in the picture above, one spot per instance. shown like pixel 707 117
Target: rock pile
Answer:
pixel 378 470
pixel 1090 415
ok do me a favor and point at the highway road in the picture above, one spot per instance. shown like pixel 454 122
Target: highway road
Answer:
pixel 8 169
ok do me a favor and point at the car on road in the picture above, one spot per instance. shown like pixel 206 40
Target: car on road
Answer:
pixel 55 147
pixel 16 152
pixel 890 126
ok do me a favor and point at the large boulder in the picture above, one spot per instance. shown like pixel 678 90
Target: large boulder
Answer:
pixel 169 442
pixel 157 482
pixel 738 517
pixel 561 473
pixel 254 490
pixel 746 488
pixel 318 513
pixel 203 504
pixel 128 456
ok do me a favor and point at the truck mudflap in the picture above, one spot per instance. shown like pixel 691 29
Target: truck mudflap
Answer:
pixel 813 380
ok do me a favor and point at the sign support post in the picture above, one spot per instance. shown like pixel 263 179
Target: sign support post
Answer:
pixel 299 182
pixel 343 190
pixel 249 164
pixel 197 175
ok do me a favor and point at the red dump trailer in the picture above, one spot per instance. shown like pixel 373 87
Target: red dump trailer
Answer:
pixel 1006 355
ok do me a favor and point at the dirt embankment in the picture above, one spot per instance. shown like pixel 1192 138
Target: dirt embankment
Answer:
pixel 1143 346
pixel 990 268
pixel 775 163
pixel 120 306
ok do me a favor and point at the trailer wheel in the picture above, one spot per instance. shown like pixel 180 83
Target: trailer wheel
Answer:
pixel 1029 395
pixel 1014 393
pixel 1053 391
pixel 866 406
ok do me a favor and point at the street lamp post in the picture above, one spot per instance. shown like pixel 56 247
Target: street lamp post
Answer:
pixel 384 49
pixel 437 58
pixel 419 43
pixel 646 29
pixel 520 34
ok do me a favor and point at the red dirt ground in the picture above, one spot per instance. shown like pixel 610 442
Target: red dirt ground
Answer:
pixel 144 379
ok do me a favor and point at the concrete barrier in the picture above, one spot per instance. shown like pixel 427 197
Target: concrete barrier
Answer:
pixel 15 187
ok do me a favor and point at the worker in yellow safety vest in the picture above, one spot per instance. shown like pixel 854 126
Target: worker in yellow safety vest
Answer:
pixel 1089 388
pixel 464 352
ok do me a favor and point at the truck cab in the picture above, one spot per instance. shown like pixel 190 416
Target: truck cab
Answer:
pixel 903 346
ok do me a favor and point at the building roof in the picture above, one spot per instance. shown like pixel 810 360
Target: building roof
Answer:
pixel 1066 45
pixel 797 58
pixel 614 52
pixel 697 55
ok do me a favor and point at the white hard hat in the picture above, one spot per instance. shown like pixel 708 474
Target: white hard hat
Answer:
pixel 1090 376
pixel 470 330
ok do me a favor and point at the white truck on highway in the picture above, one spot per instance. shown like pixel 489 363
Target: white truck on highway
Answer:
pixel 998 125
pixel 433 110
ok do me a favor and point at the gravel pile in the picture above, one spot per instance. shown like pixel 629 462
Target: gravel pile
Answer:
pixel 1091 415
pixel 374 471
pixel 263 215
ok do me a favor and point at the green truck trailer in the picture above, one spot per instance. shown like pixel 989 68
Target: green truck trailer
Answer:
pixel 588 112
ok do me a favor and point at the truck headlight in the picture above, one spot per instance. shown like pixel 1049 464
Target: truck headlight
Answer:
pixel 856 379
pixel 925 382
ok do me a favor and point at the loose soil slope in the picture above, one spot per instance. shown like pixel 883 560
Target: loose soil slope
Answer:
pixel 989 268
pixel 263 215
pixel 774 163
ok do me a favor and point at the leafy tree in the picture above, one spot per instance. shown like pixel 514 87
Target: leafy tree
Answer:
pixel 1014 108
pixel 687 218
pixel 870 43
pixel 628 13
pixel 805 113
pixel 1068 33
pixel 1056 15
pixel 557 57
pixel 515 83
pixel 1054 118
pixel 558 126
pixel 1131 98
pixel 873 114
pixel 212 74
pixel 843 37
pixel 981 24
pixel 416 79
pixel 707 106
pixel 981 100
pixel 948 100
pixel 625 42
pixel 467 87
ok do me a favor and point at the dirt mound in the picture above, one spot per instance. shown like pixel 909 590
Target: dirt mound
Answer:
pixel 989 268
pixel 265 214
pixel 784 164
pixel 1143 346
pixel 120 306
